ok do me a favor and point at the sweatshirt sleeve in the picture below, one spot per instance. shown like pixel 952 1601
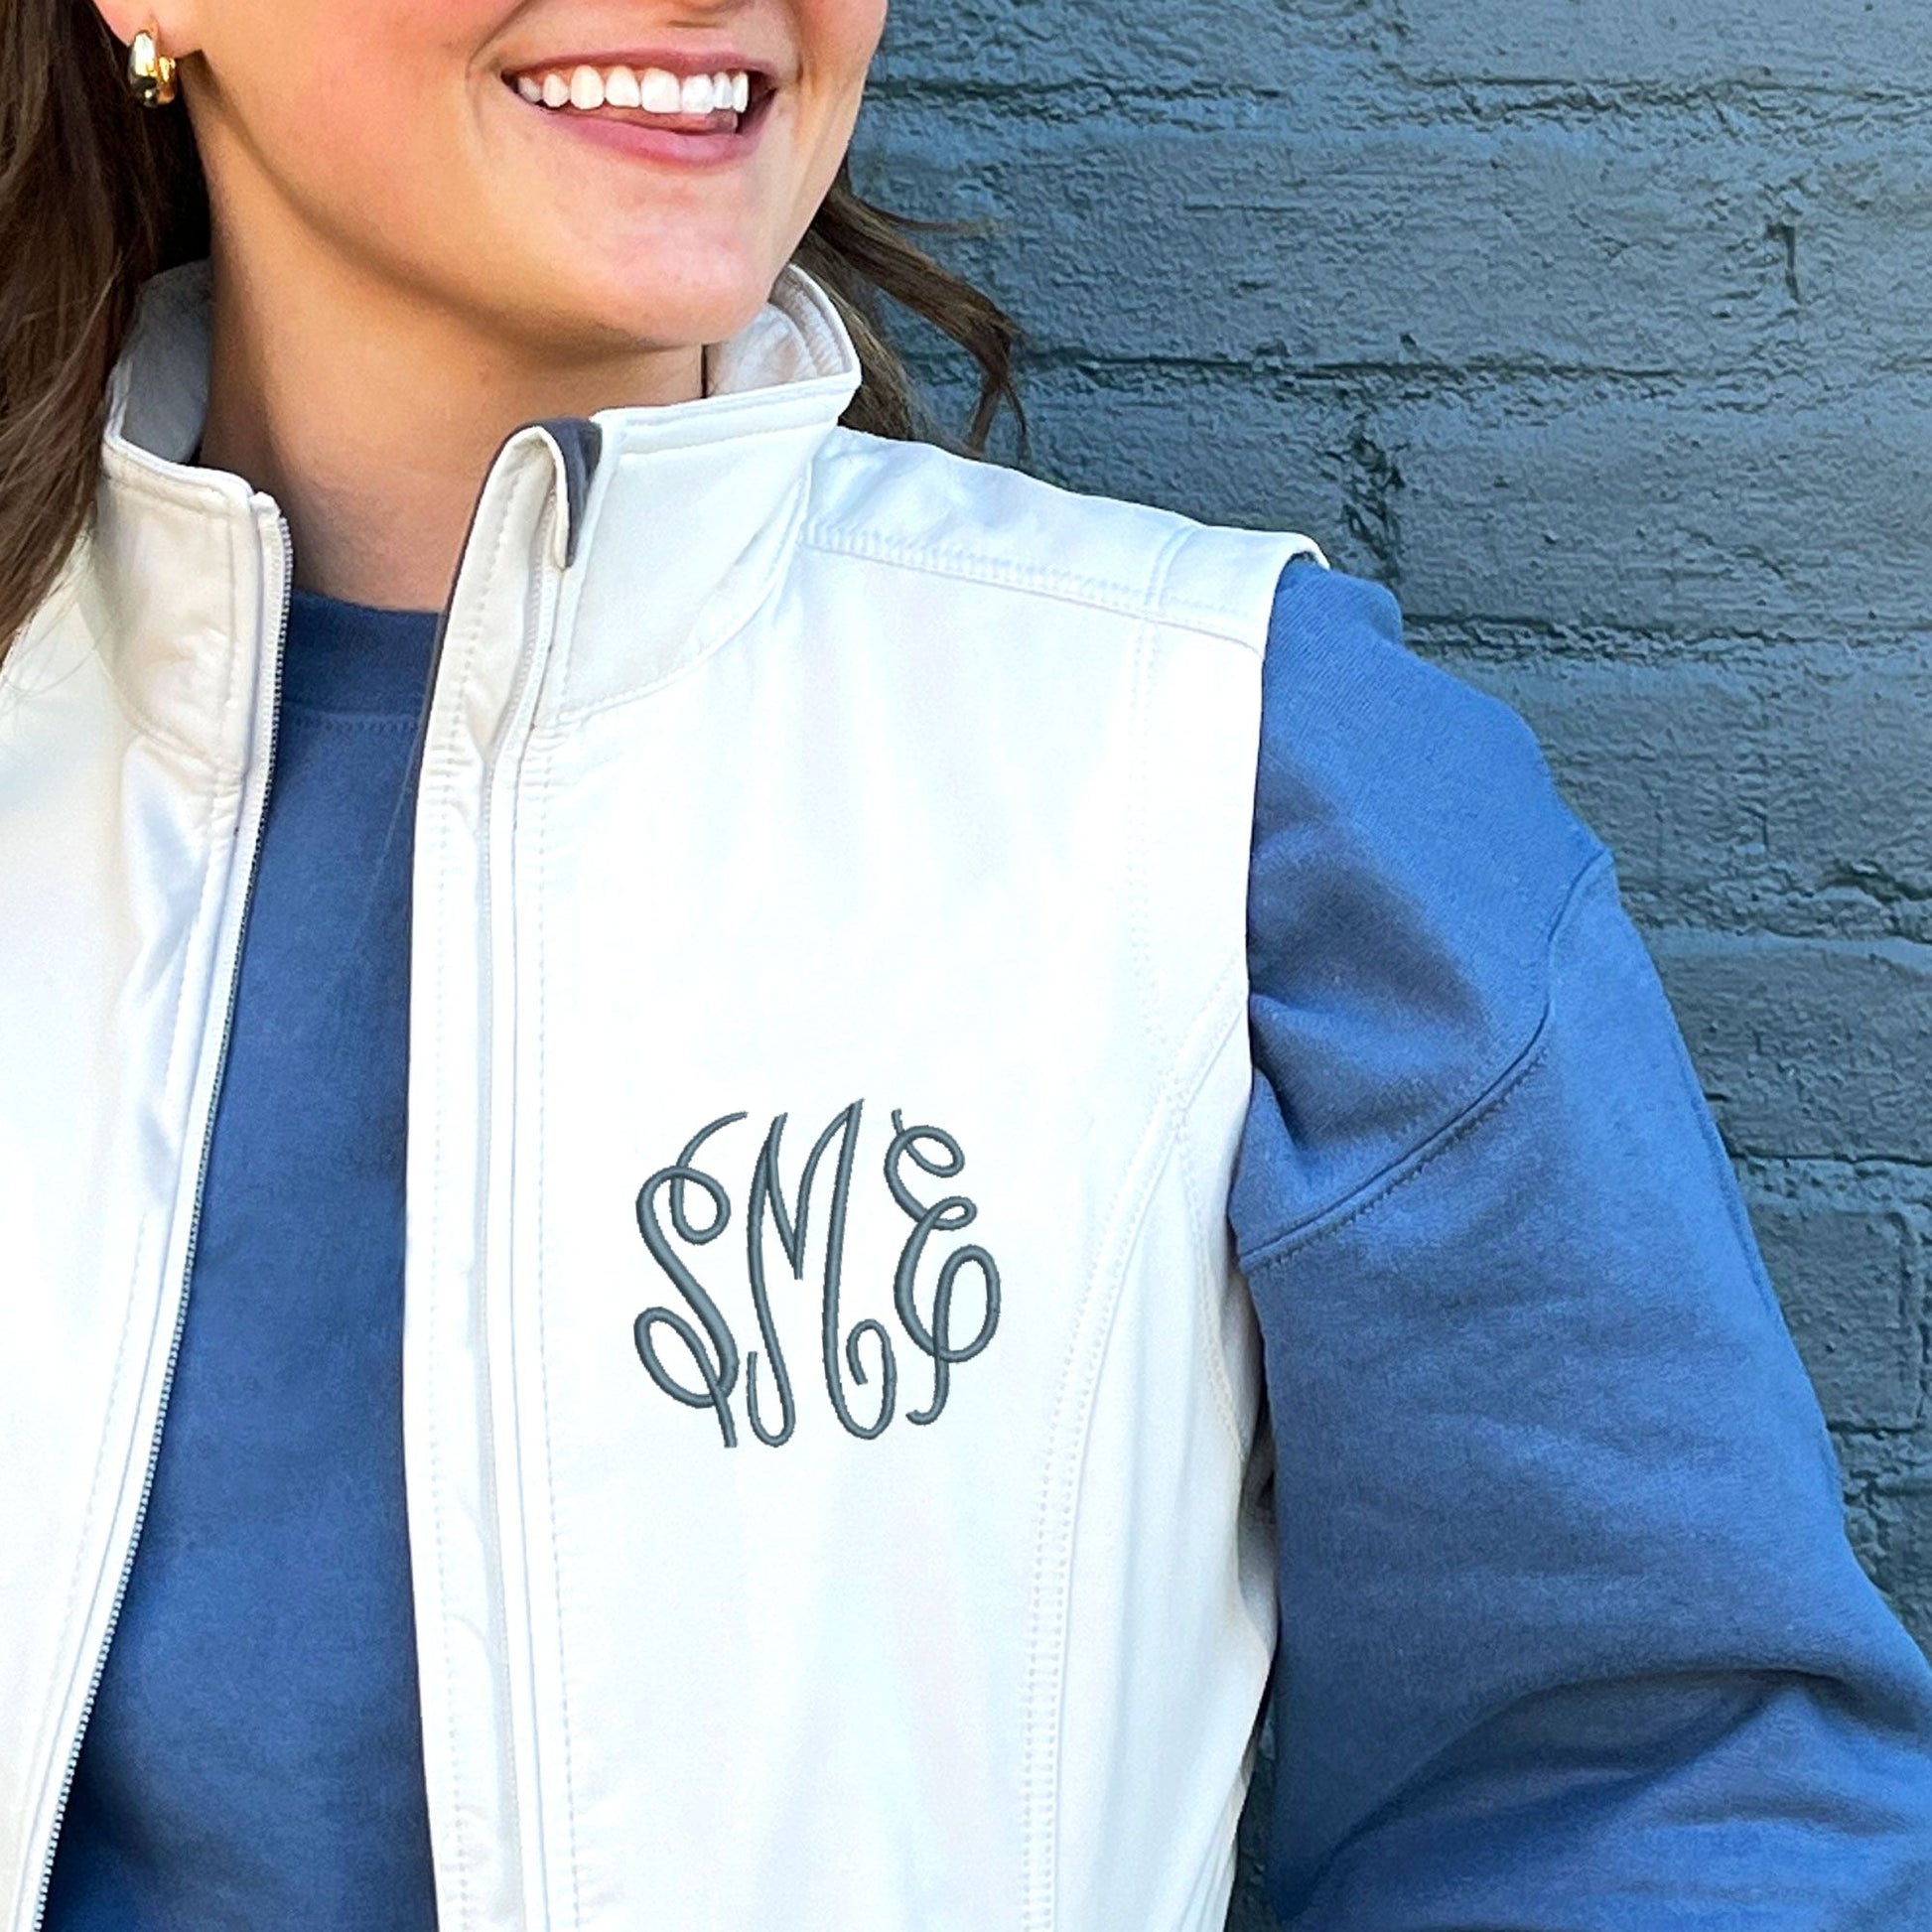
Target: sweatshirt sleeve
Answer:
pixel 1573 1639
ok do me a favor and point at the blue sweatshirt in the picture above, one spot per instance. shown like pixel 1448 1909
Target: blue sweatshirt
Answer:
pixel 1573 1639
pixel 253 1758
pixel 1572 1636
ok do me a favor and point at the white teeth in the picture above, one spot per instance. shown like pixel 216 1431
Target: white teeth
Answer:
pixel 658 92
pixel 655 90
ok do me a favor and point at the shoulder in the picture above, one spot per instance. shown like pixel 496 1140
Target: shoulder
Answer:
pixel 1412 860
pixel 913 506
pixel 1422 768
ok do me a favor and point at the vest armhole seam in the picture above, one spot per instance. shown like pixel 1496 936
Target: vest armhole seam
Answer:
pixel 1207 1277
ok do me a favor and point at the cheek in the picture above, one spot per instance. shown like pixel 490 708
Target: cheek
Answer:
pixel 837 42
pixel 839 38
pixel 354 98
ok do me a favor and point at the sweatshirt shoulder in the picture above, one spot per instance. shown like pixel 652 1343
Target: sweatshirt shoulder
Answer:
pixel 1385 762
pixel 915 507
pixel 1411 860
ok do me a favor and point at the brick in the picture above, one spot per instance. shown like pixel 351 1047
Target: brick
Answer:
pixel 1849 814
pixel 1851 1278
pixel 1628 746
pixel 1035 45
pixel 1663 246
pixel 1818 816
pixel 1806 1047
pixel 1180 444
pixel 1684 514
pixel 1851 46
pixel 1690 512
pixel 1897 1546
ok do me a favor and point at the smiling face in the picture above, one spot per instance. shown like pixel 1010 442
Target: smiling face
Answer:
pixel 404 137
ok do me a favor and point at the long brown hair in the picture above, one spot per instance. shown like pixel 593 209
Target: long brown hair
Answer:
pixel 98 193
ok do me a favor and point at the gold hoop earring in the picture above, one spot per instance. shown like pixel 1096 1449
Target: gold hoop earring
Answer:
pixel 150 72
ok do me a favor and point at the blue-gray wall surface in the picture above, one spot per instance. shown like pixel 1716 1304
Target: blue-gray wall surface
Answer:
pixel 1602 332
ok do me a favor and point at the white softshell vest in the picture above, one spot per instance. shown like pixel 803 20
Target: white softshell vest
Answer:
pixel 830 1402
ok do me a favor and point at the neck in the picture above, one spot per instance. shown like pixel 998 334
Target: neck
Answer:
pixel 370 413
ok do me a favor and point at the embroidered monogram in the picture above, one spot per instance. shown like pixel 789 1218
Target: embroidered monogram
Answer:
pixel 706 1335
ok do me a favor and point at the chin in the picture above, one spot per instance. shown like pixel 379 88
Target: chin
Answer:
pixel 706 318
pixel 640 303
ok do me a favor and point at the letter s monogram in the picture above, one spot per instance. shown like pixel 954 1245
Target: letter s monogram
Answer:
pixel 718 1368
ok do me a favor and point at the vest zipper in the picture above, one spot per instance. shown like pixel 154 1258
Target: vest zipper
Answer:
pixel 585 445
pixel 579 439
pixel 194 1229
pixel 497 837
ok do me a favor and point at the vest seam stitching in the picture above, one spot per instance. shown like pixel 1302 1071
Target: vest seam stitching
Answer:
pixel 1142 926
pixel 1140 879
pixel 127 465
pixel 1089 592
pixel 444 792
pixel 542 792
pixel 1041 1786
pixel 565 716
pixel 1160 1138
pixel 146 725
pixel 1214 1320
pixel 127 474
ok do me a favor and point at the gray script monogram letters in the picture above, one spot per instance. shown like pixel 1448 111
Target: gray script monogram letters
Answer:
pixel 707 1337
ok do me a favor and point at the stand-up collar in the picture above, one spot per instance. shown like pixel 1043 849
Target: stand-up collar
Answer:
pixel 676 517
pixel 692 506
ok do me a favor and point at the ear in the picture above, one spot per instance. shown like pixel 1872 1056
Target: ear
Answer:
pixel 173 21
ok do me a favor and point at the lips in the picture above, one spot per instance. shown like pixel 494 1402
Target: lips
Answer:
pixel 668 93
pixel 681 108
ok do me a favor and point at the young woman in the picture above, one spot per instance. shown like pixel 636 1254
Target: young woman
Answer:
pixel 888 969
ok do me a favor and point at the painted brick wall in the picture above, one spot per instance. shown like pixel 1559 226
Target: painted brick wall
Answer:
pixel 1602 332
